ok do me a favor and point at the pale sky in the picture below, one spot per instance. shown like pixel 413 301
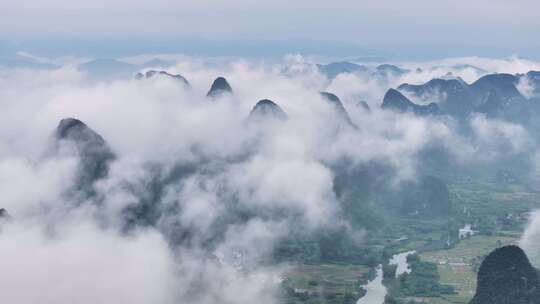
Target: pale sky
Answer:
pixel 410 27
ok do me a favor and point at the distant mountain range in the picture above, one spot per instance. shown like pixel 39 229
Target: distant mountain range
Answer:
pixel 103 67
pixel 110 69
pixel 331 70
pixel 495 95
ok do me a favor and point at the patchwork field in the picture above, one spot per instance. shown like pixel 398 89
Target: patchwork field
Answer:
pixel 325 283
pixel 456 265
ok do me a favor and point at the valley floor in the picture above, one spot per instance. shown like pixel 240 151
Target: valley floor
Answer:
pixel 456 266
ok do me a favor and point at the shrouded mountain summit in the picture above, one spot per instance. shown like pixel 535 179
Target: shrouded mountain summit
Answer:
pixel 453 96
pixel 364 105
pixel 78 132
pixel 507 277
pixel 336 103
pixel 152 73
pixel 219 87
pixel 94 153
pixel 496 94
pixel 266 109
pixel 394 100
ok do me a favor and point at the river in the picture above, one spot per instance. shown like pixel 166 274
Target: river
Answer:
pixel 376 291
pixel 400 260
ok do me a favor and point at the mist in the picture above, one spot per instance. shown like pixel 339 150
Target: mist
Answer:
pixel 198 197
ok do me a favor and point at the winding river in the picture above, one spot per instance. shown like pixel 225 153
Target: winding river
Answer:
pixel 376 291
pixel 400 260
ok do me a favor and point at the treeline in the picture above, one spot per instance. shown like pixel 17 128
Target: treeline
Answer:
pixel 422 281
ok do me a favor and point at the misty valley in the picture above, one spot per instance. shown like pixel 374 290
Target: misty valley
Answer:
pixel 178 179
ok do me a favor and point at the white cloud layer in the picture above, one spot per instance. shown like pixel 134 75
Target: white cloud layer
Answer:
pixel 55 251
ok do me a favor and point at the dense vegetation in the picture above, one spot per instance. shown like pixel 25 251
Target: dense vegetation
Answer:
pixel 423 281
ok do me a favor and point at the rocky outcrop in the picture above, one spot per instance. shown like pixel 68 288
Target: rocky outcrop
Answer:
pixel 506 276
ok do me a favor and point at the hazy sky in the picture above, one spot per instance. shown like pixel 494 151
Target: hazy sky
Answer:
pixel 341 27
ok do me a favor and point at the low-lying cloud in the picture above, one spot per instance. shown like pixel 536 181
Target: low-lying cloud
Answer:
pixel 197 197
